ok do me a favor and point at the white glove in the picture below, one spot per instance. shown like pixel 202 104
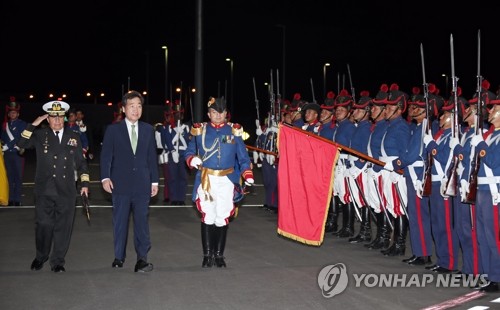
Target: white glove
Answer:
pixel 476 139
pixel 394 176
pixel 261 156
pixel 17 147
pixel 5 148
pixel 464 189
pixel 195 162
pixel 270 159
pixel 388 166
pixel 354 172
pixel 255 157
pixel 249 182
pixel 419 188
pixel 454 142
pixel 258 131
pixel 175 156
pixel 427 139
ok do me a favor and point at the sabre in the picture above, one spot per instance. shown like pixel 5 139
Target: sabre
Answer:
pixel 364 199
pixel 401 201
pixel 86 207
pixel 354 200
pixel 382 205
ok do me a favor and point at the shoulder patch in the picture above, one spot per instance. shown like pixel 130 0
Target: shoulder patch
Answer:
pixel 237 130
pixel 197 129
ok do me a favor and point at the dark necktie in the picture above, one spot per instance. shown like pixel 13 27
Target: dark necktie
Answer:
pixel 57 136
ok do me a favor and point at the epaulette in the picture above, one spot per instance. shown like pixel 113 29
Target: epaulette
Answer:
pixel 197 129
pixel 237 129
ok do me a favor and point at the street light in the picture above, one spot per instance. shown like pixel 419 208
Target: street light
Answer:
pixel 166 70
pixel 327 64
pixel 446 85
pixel 232 84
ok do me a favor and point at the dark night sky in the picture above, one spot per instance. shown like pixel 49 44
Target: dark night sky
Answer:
pixel 78 46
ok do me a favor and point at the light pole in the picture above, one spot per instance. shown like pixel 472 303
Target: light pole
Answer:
pixel 166 71
pixel 446 81
pixel 327 64
pixel 232 84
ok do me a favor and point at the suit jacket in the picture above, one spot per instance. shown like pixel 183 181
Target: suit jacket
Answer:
pixel 56 162
pixel 130 173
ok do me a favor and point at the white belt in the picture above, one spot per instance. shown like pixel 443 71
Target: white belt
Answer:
pixel 386 159
pixel 418 163
pixel 488 180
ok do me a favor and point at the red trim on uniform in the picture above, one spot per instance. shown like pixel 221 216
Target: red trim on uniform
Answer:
pixel 188 161
pixel 475 249
pixel 217 126
pixel 361 190
pixel 447 218
pixel 198 207
pixel 496 227
pixel 247 174
pixel 347 195
pixel 420 225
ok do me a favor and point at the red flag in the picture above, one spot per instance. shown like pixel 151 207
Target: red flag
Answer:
pixel 305 182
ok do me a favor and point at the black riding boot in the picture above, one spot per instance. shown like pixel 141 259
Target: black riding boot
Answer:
pixel 220 244
pixel 331 219
pixel 365 231
pixel 380 219
pixel 399 245
pixel 207 242
pixel 385 234
pixel 348 217
pixel 336 206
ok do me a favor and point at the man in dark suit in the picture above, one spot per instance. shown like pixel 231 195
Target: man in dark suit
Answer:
pixel 129 171
pixel 58 154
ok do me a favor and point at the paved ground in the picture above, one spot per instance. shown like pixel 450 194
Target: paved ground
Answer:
pixel 265 271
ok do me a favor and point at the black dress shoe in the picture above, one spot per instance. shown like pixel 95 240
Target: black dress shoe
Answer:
pixel 431 268
pixel 407 260
pixel 443 270
pixel 117 263
pixel 420 261
pixel 37 264
pixel 58 268
pixel 490 287
pixel 143 266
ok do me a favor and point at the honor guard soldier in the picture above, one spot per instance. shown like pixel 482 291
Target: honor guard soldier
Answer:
pixel 326 129
pixel 215 149
pixel 311 112
pixel 465 213
pixel 161 137
pixel 295 109
pixel 445 239
pixel 176 140
pixel 269 163
pixel 487 146
pixel 412 161
pixel 342 134
pixel 356 175
pixel 13 154
pixel 394 144
pixel 375 194
pixel 71 124
pixel 59 154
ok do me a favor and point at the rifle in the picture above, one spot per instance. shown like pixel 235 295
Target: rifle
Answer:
pixel 427 177
pixel 278 100
pixel 312 90
pixel 475 163
pixel 451 183
pixel 353 92
pixel 256 100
